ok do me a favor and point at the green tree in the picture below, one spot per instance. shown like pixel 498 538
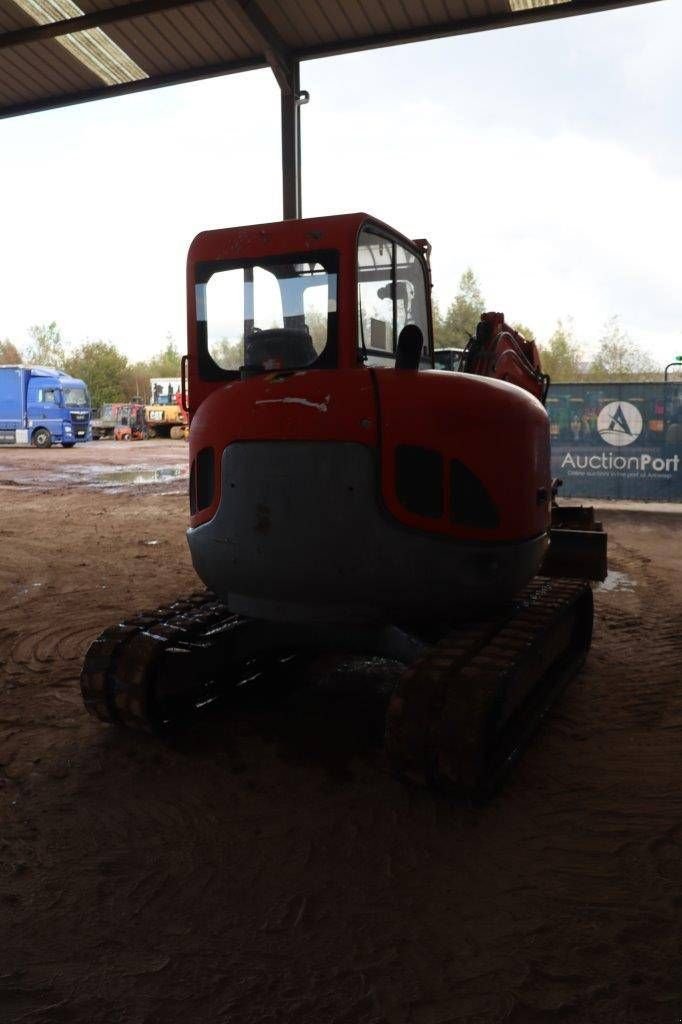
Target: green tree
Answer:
pixel 165 363
pixel 561 357
pixel 46 347
pixel 228 354
pixel 9 353
pixel 317 322
pixel 440 337
pixel 135 382
pixel 103 368
pixel 464 313
pixel 619 357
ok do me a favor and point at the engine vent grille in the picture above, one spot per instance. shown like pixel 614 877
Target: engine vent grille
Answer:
pixel 201 481
pixel 470 503
pixel 419 480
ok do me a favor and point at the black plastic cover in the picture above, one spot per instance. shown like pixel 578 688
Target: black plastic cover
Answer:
pixel 470 503
pixel 419 480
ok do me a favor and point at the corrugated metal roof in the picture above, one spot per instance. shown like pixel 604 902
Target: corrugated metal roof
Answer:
pixel 159 42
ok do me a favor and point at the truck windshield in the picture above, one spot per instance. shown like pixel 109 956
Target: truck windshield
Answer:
pixel 74 397
pixel 271 315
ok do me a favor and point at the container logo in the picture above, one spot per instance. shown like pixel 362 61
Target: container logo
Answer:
pixel 620 423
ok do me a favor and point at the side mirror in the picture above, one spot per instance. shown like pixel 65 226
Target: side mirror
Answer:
pixel 409 350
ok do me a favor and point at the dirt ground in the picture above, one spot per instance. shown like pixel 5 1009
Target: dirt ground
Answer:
pixel 268 868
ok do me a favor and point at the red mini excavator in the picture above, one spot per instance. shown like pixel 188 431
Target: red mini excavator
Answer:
pixel 346 496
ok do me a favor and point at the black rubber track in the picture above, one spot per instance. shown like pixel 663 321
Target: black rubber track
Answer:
pixel 125 678
pixel 461 716
pixel 458 720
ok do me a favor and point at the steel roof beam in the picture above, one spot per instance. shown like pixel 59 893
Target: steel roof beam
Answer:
pixel 276 52
pixel 274 49
pixel 96 19
pixel 464 26
pixel 142 7
pixel 101 92
pixel 279 52
pixel 285 67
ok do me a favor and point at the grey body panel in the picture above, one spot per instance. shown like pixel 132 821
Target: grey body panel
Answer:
pixel 301 534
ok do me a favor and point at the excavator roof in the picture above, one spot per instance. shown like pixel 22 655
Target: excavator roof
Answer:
pixel 289 236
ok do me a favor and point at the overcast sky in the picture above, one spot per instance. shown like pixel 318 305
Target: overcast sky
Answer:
pixel 548 158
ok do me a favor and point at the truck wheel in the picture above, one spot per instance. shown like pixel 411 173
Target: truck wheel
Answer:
pixel 68 444
pixel 41 438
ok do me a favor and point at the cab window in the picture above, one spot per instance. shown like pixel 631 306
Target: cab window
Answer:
pixel 271 315
pixel 48 396
pixel 391 294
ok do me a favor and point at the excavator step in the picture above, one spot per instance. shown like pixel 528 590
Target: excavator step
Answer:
pixel 462 714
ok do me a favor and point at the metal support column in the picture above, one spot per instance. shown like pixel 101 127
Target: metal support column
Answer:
pixel 292 100
pixel 285 68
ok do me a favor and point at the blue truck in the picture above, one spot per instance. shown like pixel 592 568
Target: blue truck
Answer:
pixel 42 407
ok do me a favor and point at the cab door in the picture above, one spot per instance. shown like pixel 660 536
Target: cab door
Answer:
pixel 43 404
pixel 392 293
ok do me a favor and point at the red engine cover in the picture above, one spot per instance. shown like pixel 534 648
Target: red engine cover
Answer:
pixel 497 431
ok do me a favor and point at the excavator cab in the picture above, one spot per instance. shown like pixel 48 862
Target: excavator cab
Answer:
pixel 277 307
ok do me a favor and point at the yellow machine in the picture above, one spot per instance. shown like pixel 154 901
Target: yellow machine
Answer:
pixel 166 419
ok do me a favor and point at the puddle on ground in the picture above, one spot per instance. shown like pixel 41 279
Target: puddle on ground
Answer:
pixel 137 475
pixel 617 581
pixel 101 475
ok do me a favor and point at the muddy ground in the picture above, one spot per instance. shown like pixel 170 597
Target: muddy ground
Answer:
pixel 267 868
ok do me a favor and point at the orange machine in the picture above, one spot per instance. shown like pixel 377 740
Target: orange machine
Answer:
pixel 498 351
pixel 130 424
pixel 345 495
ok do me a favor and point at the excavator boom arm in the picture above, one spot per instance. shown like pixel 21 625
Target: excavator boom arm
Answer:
pixel 499 351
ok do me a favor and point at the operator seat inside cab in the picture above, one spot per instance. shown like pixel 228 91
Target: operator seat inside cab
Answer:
pixel 409 349
pixel 279 348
